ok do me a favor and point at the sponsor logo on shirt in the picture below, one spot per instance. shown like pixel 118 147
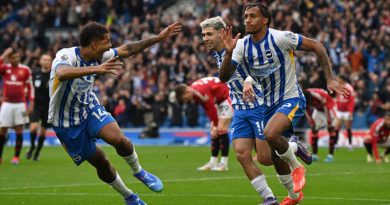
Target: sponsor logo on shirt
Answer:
pixel 290 36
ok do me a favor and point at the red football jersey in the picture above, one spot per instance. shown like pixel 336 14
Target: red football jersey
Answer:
pixel 346 104
pixel 320 98
pixel 208 92
pixel 17 83
pixel 380 134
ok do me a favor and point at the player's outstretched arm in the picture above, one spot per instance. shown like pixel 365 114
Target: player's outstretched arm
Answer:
pixel 227 68
pixel 309 44
pixel 65 72
pixel 131 48
pixel 6 53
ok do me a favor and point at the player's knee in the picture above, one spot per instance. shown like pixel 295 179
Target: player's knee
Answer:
pixel 271 134
pixel 266 161
pixel 119 141
pixel 122 140
pixel 243 156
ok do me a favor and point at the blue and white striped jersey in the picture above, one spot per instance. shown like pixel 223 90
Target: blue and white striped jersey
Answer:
pixel 270 62
pixel 236 84
pixel 71 100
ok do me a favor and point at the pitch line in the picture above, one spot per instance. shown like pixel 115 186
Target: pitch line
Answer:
pixel 183 180
pixel 187 195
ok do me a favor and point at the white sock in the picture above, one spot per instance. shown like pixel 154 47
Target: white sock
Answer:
pixel 120 187
pixel 290 158
pixel 132 160
pixel 213 160
pixel 261 186
pixel 224 160
pixel 294 146
pixel 287 182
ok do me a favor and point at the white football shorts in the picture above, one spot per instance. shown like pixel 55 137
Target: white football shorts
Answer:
pixel 13 114
pixel 225 109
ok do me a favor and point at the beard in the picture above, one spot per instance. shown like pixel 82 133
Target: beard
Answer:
pixel 253 31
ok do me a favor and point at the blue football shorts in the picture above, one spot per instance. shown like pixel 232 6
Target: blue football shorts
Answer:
pixel 248 123
pixel 80 141
pixel 293 108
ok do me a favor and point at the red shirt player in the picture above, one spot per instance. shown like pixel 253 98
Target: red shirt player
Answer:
pixel 17 80
pixel 213 96
pixel 320 112
pixel 379 136
pixel 345 108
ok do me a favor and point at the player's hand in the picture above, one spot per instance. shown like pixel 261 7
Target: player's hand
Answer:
pixel 214 132
pixel 7 52
pixel 248 93
pixel 312 124
pixel 30 109
pixel 171 30
pixel 111 66
pixel 228 41
pixel 334 86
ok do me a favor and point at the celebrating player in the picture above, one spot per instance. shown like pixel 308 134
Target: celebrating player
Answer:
pixel 39 116
pixel 268 57
pixel 13 113
pixel 345 107
pixel 246 120
pixel 213 96
pixel 76 115
pixel 379 137
pixel 247 103
pixel 321 113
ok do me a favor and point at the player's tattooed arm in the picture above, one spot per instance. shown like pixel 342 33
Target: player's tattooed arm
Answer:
pixel 131 48
pixel 323 59
pixel 324 62
pixel 309 44
pixel 137 46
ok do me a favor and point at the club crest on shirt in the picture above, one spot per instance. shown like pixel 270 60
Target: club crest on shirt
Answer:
pixel 268 54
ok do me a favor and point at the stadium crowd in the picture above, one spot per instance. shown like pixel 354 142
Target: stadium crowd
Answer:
pixel 355 33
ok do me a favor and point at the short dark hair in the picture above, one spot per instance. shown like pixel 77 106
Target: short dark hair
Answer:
pixel 90 32
pixel 263 10
pixel 180 90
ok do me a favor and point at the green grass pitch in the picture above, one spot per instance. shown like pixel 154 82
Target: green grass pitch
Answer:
pixel 56 180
